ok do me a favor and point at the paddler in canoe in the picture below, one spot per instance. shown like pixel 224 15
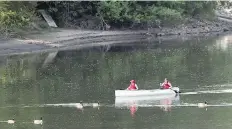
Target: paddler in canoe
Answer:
pixel 133 85
pixel 166 84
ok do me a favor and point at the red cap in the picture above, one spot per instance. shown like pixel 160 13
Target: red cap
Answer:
pixel 132 81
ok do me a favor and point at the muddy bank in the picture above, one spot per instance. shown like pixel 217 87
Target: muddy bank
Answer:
pixel 194 27
pixel 76 39
pixel 68 39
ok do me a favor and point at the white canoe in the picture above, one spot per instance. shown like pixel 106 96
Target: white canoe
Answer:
pixel 144 101
pixel 155 92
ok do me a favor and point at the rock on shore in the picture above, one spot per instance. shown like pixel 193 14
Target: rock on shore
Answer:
pixel 193 27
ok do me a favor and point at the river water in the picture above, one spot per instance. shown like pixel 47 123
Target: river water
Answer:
pixel 51 85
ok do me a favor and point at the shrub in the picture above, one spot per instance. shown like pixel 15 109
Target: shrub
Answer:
pixel 14 15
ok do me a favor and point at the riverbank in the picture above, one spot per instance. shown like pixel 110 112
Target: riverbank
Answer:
pixel 63 39
pixel 194 27
pixel 220 24
pixel 66 39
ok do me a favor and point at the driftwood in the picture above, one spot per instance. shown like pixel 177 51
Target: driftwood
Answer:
pixel 104 25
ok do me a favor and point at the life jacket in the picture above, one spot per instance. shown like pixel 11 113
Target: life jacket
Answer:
pixel 132 86
pixel 166 86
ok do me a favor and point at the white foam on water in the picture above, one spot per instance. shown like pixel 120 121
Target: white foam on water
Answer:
pixel 73 104
pixel 189 93
pixel 35 105
pixel 217 91
pixel 63 104
pixel 218 85
pixel 208 105
pixel 22 106
pixel 208 92
pixel 76 105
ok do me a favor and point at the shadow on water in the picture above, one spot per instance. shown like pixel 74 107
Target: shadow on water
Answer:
pixel 112 48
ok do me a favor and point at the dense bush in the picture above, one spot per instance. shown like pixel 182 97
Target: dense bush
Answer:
pixel 121 13
pixel 107 13
pixel 14 15
pixel 200 9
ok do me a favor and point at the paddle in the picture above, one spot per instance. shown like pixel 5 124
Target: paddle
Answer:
pixel 161 86
pixel 175 90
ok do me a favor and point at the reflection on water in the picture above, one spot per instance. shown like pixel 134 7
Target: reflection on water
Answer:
pixel 73 89
pixel 165 102
pixel 224 42
pixel 133 109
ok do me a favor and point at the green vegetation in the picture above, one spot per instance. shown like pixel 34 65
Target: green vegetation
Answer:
pixel 14 15
pixel 105 14
pixel 131 13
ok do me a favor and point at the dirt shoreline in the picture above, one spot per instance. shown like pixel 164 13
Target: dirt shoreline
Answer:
pixel 70 39
pixel 67 39
pixel 60 41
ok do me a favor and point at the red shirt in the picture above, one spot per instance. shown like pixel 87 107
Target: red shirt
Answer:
pixel 166 86
pixel 132 86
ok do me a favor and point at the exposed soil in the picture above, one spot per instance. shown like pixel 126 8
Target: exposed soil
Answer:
pixel 66 39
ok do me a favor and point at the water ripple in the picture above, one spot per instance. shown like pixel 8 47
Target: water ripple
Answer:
pixel 208 92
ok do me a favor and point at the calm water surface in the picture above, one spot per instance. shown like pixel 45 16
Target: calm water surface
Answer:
pixel 48 84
